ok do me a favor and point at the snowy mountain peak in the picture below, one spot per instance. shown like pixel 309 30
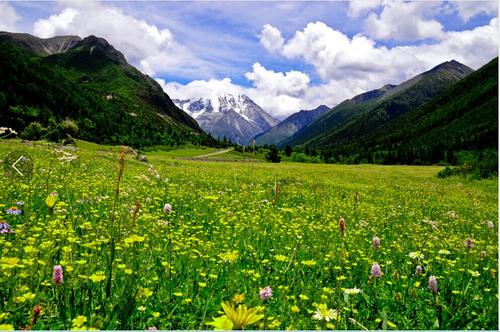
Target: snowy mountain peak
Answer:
pixel 236 117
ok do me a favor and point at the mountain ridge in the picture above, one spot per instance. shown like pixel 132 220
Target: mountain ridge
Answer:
pixel 359 114
pixel 40 46
pixel 234 117
pixel 289 126
pixel 464 117
pixel 111 100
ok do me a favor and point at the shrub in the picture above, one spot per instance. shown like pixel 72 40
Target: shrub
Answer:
pixel 272 155
pixel 475 164
pixel 34 131
pixel 67 127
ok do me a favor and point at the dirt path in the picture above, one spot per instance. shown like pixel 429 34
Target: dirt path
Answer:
pixel 213 153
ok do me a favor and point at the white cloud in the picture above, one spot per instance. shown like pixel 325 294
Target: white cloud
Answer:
pixel 468 9
pixel 144 45
pixel 357 7
pixel 349 66
pixel 338 57
pixel 9 18
pixel 406 21
pixel 271 38
pixel 292 83
pixel 280 94
pixel 197 89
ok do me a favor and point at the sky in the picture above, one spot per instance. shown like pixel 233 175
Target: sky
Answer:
pixel 285 55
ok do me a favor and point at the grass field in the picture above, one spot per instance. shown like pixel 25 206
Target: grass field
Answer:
pixel 95 247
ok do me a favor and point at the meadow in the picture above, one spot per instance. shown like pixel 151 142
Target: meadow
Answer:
pixel 95 239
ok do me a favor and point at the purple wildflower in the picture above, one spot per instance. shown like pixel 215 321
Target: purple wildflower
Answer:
pixel 376 242
pixel 167 209
pixel 21 203
pixel 266 293
pixel 376 271
pixel 14 210
pixel 491 225
pixel 419 270
pixel 433 286
pixel 57 275
pixel 4 228
pixel 468 243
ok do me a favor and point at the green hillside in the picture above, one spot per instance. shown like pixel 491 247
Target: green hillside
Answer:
pixel 91 84
pixel 367 111
pixel 464 117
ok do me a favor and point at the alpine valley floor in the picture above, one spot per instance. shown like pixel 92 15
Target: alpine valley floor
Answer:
pixel 248 245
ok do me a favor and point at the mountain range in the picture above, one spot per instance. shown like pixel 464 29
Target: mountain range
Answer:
pixel 90 83
pixel 234 117
pixel 364 112
pixel 56 86
pixel 289 126
pixel 463 118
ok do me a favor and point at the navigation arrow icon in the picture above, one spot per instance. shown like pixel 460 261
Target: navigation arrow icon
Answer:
pixel 14 165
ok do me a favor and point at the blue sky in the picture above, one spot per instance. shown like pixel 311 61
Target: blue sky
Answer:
pixel 284 55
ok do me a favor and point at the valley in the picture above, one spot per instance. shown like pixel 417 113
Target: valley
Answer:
pixel 246 165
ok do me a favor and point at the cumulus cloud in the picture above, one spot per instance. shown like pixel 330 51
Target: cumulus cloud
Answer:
pixel 347 67
pixel 280 94
pixel 151 49
pixel 292 83
pixel 357 7
pixel 271 38
pixel 405 21
pixel 468 9
pixel 9 17
pixel 197 89
pixel 337 57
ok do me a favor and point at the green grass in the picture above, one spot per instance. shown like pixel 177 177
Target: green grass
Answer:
pixel 238 156
pixel 89 146
pixel 235 228
pixel 181 153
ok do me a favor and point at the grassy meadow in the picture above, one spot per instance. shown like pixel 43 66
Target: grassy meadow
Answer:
pixel 90 244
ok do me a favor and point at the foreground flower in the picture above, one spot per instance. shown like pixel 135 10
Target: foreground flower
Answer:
pixel 229 256
pixel 239 298
pixel 342 226
pixel 376 271
pixel 323 313
pixel 352 291
pixel 6 327
pixel 433 284
pixel 14 210
pixel 79 321
pixel 266 293
pixel 222 323
pixel 376 242
pixel 167 208
pixel 37 311
pixel 57 275
pixel 4 228
pixel 416 255
pixel 468 243
pixel 51 199
pixel 236 317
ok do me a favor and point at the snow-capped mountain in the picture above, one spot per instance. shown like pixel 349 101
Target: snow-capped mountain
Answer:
pixel 236 117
